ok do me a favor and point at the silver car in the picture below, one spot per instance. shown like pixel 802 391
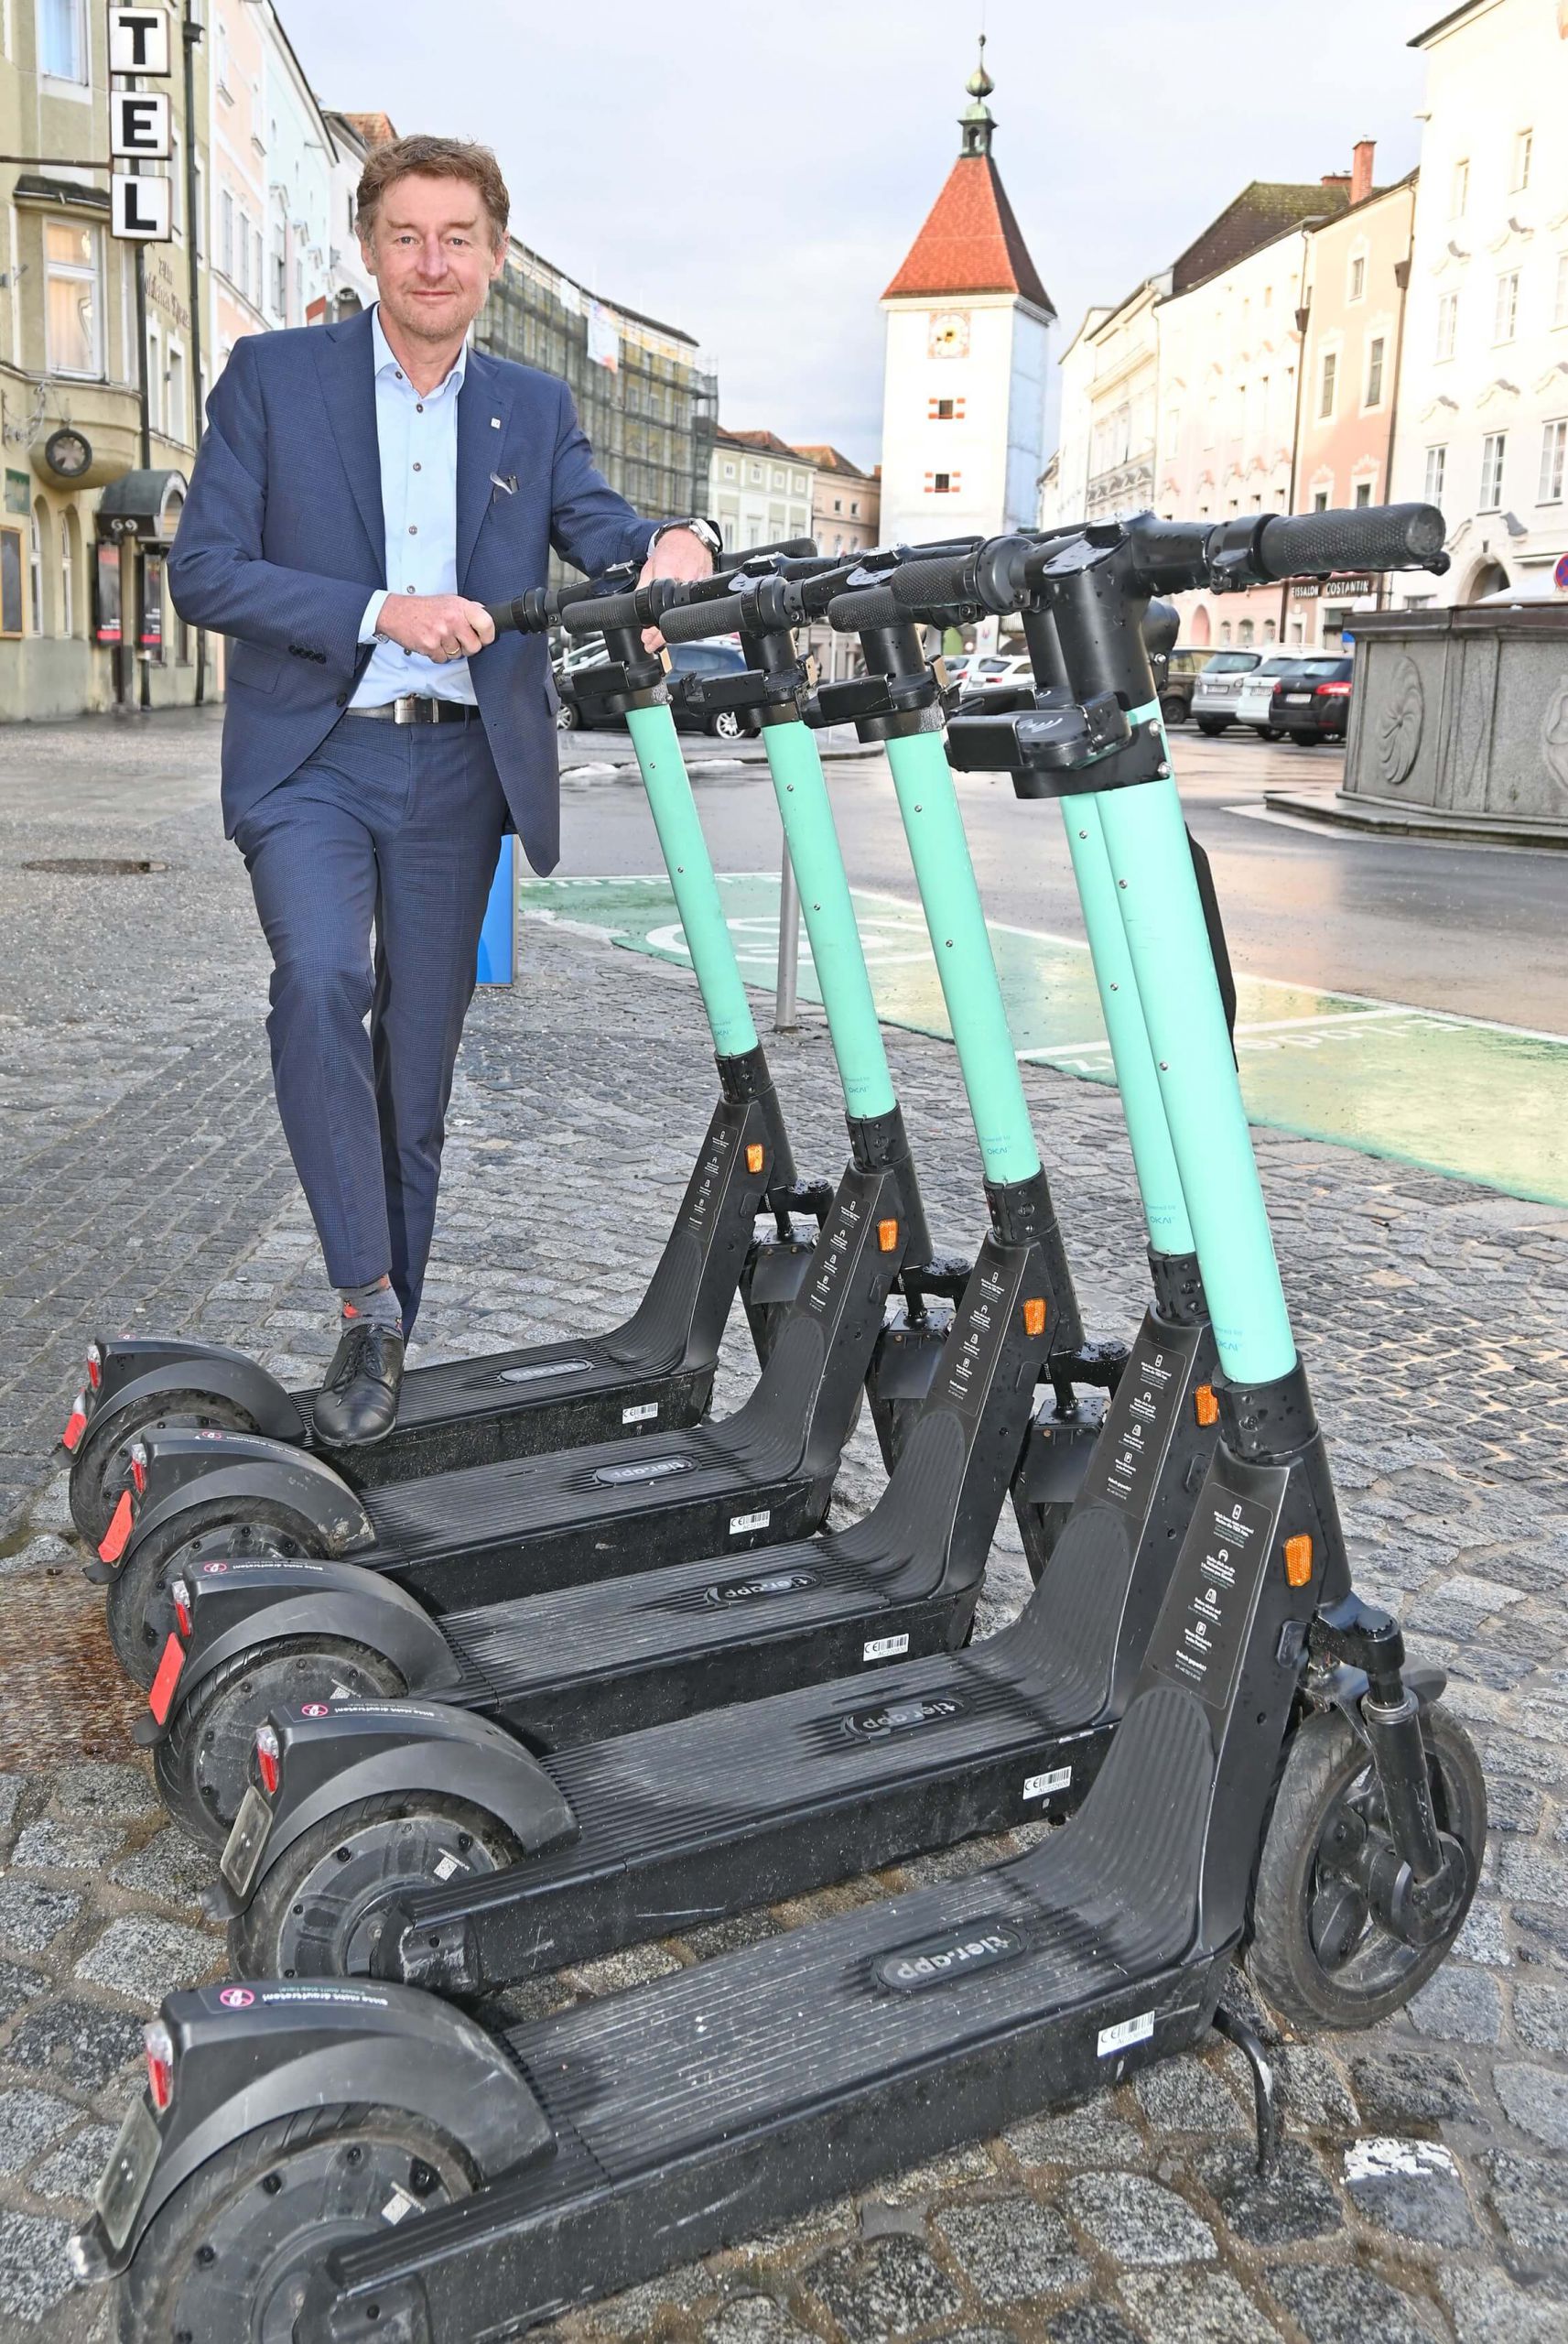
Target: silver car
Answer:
pixel 1256 696
pixel 1215 693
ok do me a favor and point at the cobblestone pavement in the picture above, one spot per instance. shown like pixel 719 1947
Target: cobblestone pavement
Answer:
pixel 146 1183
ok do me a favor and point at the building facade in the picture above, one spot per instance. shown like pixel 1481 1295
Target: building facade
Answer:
pixel 1122 356
pixel 1483 405
pixel 968 324
pixel 1359 268
pixel 94 484
pixel 846 503
pixel 237 234
pixel 759 490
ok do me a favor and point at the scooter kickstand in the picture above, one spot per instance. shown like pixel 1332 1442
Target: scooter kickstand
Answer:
pixel 1265 2102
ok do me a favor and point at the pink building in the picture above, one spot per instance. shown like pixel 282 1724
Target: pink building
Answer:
pixel 238 192
pixel 1357 274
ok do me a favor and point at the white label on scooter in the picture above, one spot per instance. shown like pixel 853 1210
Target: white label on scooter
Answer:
pixel 885 1648
pixel 744 1521
pixel 1042 1785
pixel 398 2206
pixel 643 1415
pixel 1111 2039
pixel 448 1865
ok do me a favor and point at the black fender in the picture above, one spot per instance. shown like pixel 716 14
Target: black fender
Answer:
pixel 247 2055
pixel 186 1470
pixel 137 1367
pixel 241 1602
pixel 348 1750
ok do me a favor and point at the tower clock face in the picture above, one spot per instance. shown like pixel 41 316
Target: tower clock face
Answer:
pixel 949 335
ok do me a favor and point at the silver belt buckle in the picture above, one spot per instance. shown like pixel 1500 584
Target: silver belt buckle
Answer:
pixel 405 708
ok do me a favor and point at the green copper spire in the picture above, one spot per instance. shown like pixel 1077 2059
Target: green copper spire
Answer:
pixel 975 121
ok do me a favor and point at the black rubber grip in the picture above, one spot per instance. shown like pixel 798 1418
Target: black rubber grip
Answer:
pixel 688 622
pixel 936 582
pixel 601 611
pixel 1373 536
pixel 503 615
pixel 871 606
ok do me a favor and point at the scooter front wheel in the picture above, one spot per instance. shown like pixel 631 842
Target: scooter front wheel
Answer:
pixel 205 1764
pixel 102 1466
pixel 320 1911
pixel 229 2255
pixel 1320 1953
pixel 140 1609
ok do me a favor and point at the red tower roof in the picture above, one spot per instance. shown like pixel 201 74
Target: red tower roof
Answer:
pixel 971 241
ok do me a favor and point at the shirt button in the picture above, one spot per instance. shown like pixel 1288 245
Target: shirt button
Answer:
pixel 418 468
pixel 413 528
pixel 419 408
pixel 398 372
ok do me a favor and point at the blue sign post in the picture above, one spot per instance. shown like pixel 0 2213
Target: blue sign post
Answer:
pixel 498 936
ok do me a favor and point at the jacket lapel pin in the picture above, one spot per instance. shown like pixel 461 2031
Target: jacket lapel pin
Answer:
pixel 495 423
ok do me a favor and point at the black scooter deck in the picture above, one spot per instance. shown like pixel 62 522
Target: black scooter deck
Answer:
pixel 705 1815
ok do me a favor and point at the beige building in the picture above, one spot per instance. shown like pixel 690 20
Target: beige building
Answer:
pixel 846 503
pixel 93 485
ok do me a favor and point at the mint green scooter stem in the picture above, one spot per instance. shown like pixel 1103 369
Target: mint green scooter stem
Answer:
pixel 685 849
pixel 1149 1134
pixel 957 922
pixel 806 812
pixel 1161 916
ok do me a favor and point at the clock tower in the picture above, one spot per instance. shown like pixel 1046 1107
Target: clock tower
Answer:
pixel 964 377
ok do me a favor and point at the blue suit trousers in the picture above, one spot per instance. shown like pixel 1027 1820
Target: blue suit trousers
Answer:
pixel 391 829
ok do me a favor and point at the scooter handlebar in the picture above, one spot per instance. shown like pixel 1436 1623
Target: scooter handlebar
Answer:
pixel 688 622
pixel 600 611
pixel 869 606
pixel 1382 536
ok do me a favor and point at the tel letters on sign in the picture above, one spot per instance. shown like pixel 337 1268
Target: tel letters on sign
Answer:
pixel 138 41
pixel 139 124
pixel 141 209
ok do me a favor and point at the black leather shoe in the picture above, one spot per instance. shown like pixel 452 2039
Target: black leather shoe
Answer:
pixel 358 1401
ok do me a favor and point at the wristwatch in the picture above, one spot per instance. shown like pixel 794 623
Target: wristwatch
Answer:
pixel 703 531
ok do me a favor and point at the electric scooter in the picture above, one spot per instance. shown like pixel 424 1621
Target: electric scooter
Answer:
pixel 543 1671
pixel 369 1842
pixel 655 1372
pixel 359 2159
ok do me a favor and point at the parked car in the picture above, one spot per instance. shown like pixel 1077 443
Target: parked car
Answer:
pixel 1312 701
pixel 1176 675
pixel 1256 697
pixel 1215 687
pixel 1005 686
pixel 579 707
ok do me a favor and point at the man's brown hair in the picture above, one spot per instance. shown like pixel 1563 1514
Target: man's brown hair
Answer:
pixel 436 159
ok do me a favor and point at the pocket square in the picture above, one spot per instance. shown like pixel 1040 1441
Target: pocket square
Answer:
pixel 504 480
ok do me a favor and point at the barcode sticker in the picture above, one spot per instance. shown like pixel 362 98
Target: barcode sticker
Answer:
pixel 885 1648
pixel 643 1415
pixel 448 1865
pixel 1121 2036
pixel 1042 1785
pixel 744 1521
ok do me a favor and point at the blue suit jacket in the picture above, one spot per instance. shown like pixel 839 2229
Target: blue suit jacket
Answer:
pixel 282 543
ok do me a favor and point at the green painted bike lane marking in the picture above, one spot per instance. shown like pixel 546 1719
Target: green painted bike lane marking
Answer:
pixel 1483 1101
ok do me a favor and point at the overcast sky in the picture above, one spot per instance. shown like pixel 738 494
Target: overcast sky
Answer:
pixel 754 176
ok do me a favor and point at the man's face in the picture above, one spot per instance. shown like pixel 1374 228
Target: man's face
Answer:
pixel 432 255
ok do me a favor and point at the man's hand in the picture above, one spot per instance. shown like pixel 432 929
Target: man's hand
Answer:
pixel 677 554
pixel 439 626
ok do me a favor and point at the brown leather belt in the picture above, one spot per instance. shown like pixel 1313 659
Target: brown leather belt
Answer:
pixel 420 708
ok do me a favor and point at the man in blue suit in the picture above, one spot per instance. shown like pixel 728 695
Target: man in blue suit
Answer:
pixel 362 491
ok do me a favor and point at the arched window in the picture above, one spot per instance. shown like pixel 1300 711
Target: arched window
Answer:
pixel 1267 630
pixel 1225 630
pixel 1244 634
pixel 1201 628
pixel 68 571
pixel 38 537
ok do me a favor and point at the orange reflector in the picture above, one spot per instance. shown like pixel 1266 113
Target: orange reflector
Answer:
pixel 754 1156
pixel 1206 1407
pixel 1298 1558
pixel 161 1698
pixel 113 1544
pixel 76 1423
pixel 887 1235
pixel 1034 1315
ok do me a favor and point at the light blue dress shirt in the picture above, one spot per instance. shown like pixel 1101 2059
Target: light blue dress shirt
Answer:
pixel 418 440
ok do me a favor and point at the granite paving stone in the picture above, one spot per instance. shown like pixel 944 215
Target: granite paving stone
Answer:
pixel 1456 1499
pixel 1412 2188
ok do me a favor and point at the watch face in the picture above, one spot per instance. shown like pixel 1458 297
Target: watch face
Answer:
pixel 949 335
pixel 67 452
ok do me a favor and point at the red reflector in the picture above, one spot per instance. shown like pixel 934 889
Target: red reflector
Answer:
pixel 94 1371
pixel 182 1614
pixel 160 2064
pixel 162 1695
pixel 111 1546
pixel 139 1474
pixel 76 1423
pixel 268 1765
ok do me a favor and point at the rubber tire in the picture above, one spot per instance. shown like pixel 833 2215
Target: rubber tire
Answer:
pixel 1268 733
pixel 1305 740
pixel 1213 725
pixel 253 1947
pixel 1325 1757
pixel 728 724
pixel 91 1504
pixel 135 1582
pixel 566 718
pixel 174 1758
pixel 146 2296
